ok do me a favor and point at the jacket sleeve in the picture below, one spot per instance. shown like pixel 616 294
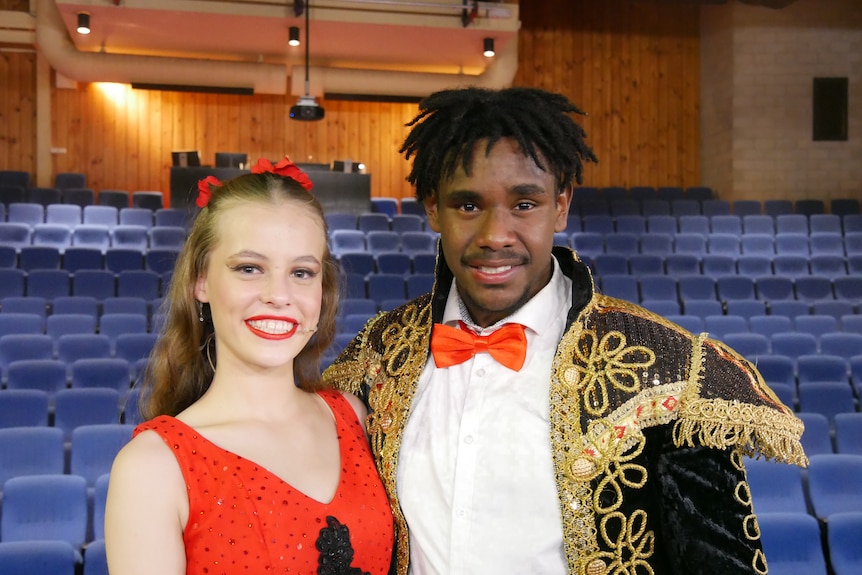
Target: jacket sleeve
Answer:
pixel 703 512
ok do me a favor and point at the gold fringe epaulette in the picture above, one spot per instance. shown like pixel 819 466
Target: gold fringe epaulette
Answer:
pixel 763 428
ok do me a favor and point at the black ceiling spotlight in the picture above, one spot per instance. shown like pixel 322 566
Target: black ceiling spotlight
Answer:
pixel 488 48
pixel 83 23
pixel 306 108
pixel 293 38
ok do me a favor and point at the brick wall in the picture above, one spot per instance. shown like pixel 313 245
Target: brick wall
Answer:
pixel 757 69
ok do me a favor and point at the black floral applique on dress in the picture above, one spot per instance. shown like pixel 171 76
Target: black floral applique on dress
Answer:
pixel 336 552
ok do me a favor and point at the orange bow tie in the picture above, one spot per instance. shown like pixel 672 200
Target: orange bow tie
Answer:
pixel 451 346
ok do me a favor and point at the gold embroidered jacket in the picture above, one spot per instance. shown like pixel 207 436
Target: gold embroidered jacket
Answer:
pixel 648 426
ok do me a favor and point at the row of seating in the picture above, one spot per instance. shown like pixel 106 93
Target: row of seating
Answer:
pixel 718 265
pixel 52 558
pixel 64 409
pixel 795 543
pixel 49 376
pixel 381 287
pixel 83 462
pixel 824 435
pixel 346 241
pixel 122 315
pixel 101 237
pixel 828 399
pixel 375 221
pixel 748 308
pixel 43 450
pixel 637 224
pixel 50 508
pixel 831 484
pixel 74 259
pixel 722 224
pixel 585 202
pixel 62 180
pixel 37 361
pixel 57 325
pixel 833 351
pixel 688 287
pixel 795 344
pixel 100 284
pixel 815 325
pixel 82 197
pixel 73 215
pixel 593 243
pixel 73 305
pixel 617 200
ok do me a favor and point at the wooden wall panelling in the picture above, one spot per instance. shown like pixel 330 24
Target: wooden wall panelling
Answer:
pixel 633 66
pixel 385 151
pixel 18 111
pixel 24 150
pixel 267 130
pixel 15 5
pixel 152 139
pixel 7 133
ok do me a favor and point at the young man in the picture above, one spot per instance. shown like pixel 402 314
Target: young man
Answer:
pixel 522 422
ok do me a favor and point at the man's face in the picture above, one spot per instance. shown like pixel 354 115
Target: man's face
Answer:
pixel 497 229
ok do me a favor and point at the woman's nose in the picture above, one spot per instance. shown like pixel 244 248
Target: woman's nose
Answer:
pixel 277 291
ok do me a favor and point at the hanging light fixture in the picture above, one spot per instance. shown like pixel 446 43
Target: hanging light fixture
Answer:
pixel 293 38
pixel 83 23
pixel 306 108
pixel 488 48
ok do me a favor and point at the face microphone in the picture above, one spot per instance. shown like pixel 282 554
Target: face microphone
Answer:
pixel 308 329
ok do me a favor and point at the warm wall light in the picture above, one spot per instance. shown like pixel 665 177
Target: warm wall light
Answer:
pixel 293 39
pixel 83 23
pixel 488 47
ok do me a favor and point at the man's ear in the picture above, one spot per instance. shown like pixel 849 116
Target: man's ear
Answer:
pixel 431 212
pixel 564 203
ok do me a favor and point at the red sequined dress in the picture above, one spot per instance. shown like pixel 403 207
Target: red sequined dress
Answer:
pixel 244 519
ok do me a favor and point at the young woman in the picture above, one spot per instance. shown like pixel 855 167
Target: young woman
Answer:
pixel 248 463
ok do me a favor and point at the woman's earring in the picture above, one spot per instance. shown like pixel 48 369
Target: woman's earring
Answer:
pixel 200 312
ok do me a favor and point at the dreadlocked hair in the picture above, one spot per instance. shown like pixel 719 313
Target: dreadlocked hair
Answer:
pixel 451 122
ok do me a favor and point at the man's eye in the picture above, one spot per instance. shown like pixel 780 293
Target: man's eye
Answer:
pixel 469 207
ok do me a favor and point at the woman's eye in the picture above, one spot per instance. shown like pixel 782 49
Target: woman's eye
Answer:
pixel 304 274
pixel 245 268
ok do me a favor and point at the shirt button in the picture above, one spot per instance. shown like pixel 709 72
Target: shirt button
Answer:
pixel 468 439
pixel 461 513
pixel 480 373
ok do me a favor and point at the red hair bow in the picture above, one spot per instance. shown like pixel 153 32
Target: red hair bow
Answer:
pixel 283 168
pixel 205 190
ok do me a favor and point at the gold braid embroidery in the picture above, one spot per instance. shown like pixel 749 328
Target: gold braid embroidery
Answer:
pixel 750 528
pixel 633 546
pixel 392 377
pixel 598 366
pixel 609 360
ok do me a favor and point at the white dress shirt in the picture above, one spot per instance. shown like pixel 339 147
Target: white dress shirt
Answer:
pixel 475 474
